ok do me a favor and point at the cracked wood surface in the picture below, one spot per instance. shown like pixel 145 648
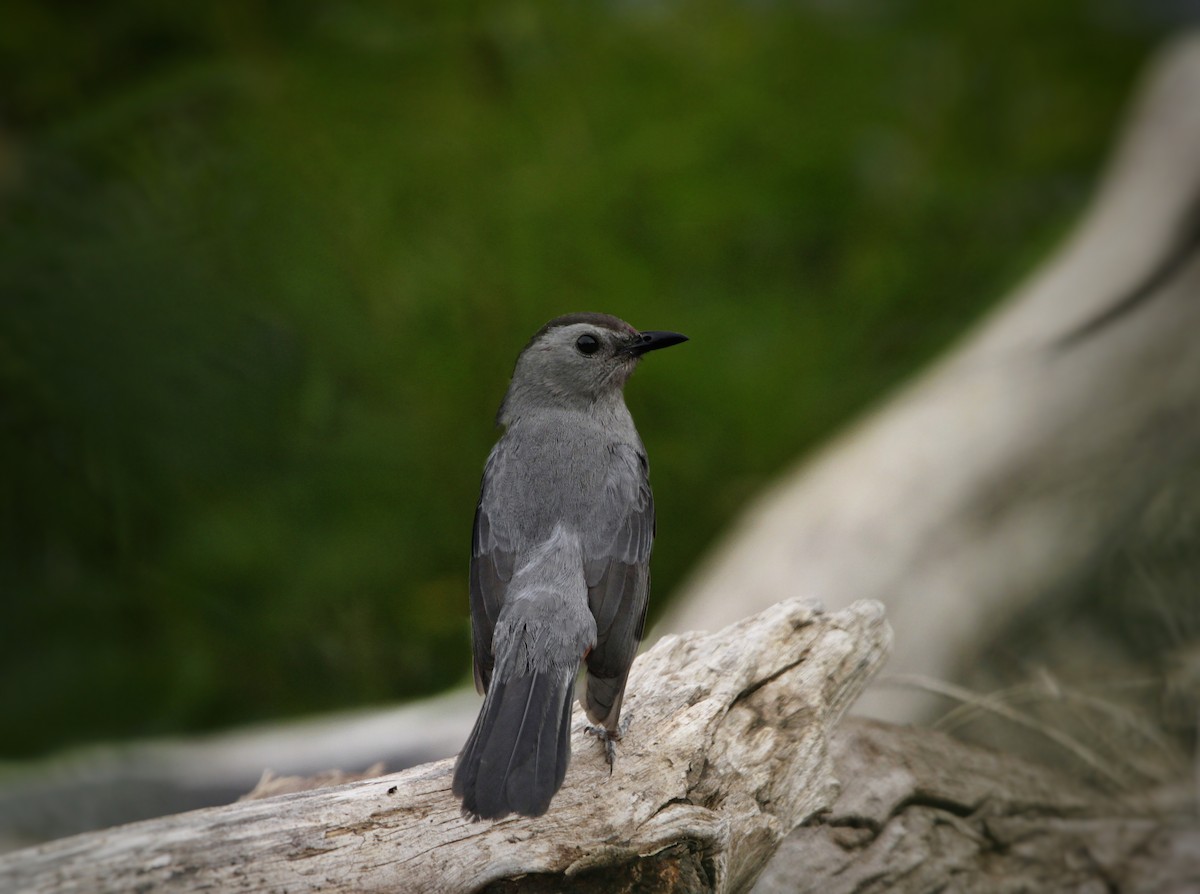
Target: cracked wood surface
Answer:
pixel 920 811
pixel 727 751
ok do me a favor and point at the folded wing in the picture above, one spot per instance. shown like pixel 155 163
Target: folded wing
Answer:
pixel 617 572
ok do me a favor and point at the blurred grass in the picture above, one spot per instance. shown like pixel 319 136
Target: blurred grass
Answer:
pixel 264 269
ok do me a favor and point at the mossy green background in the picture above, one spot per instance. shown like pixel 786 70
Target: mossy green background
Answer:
pixel 264 269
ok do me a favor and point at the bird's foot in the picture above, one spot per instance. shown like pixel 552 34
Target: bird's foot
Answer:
pixel 610 738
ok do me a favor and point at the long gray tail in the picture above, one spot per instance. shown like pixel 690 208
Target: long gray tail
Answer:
pixel 517 755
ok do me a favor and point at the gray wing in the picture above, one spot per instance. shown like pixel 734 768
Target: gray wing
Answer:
pixel 491 569
pixel 617 569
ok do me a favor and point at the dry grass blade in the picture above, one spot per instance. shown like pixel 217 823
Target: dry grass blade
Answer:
pixel 998 706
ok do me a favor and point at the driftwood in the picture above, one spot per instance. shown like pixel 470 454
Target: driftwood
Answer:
pixel 1006 471
pixel 920 811
pixel 107 785
pixel 727 752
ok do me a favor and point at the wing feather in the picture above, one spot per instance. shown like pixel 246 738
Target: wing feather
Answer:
pixel 491 569
pixel 617 572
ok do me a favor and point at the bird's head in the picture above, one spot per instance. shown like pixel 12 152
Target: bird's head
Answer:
pixel 577 360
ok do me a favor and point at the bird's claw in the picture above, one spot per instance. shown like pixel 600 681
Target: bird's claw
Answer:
pixel 610 738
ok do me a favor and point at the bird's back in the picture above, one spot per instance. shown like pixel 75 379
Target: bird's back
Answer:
pixel 548 470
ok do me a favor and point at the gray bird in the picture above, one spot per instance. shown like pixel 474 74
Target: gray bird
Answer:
pixel 560 561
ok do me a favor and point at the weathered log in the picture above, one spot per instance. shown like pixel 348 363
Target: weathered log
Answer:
pixel 1004 473
pixel 108 785
pixel 920 811
pixel 727 751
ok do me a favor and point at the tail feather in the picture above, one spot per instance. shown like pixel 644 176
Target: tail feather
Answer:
pixel 517 754
pixel 516 757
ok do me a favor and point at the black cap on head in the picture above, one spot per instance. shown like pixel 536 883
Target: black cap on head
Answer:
pixel 604 321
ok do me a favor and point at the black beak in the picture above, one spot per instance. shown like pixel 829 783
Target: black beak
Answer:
pixel 652 341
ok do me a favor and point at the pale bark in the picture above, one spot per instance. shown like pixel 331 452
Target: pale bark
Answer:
pixel 920 811
pixel 105 785
pixel 1006 470
pixel 727 751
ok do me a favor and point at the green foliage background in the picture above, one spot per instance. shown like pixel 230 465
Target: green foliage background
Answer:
pixel 264 268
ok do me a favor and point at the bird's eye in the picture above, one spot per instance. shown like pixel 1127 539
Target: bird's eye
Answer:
pixel 587 344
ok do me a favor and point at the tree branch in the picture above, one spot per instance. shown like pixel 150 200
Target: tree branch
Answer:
pixel 726 753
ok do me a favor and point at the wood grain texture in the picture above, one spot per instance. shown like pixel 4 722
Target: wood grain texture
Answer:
pixel 920 811
pixel 727 751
